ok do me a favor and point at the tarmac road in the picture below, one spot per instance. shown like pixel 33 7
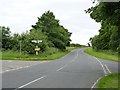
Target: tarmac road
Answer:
pixel 75 70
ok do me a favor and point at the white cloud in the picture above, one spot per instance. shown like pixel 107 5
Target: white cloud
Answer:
pixel 19 15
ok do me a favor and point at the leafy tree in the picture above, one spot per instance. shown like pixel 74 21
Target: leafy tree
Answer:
pixel 108 14
pixel 6 38
pixel 46 29
pixel 75 45
pixel 106 11
pixel 16 41
pixel 57 35
pixel 114 38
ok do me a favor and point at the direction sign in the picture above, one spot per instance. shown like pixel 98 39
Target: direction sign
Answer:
pixel 36 41
pixel 37 49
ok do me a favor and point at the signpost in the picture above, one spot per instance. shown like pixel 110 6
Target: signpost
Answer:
pixel 36 41
pixel 37 49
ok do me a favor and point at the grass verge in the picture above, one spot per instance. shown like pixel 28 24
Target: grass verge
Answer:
pixel 107 55
pixel 110 81
pixel 50 54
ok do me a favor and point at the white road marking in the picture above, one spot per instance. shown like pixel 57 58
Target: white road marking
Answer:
pixel 10 61
pixel 23 67
pixel 27 66
pixel 103 70
pixel 61 68
pixel 7 70
pixel 30 82
pixel 75 58
pixel 70 62
pixel 107 68
pixel 102 66
pixel 95 83
pixel 14 69
pixel 20 67
pixel 77 54
pixel 67 54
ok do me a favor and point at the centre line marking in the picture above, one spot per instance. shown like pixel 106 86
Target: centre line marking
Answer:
pixel 70 61
pixel 61 68
pixel 30 82
pixel 75 57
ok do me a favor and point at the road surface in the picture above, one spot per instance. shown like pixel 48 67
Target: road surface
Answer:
pixel 75 70
pixel 11 65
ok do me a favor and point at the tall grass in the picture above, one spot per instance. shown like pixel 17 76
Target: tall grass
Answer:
pixel 13 55
pixel 49 54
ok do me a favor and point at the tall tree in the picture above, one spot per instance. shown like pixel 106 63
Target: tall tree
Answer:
pixel 57 35
pixel 6 38
pixel 108 14
pixel 46 29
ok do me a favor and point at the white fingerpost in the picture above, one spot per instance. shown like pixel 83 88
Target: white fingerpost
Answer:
pixel 37 49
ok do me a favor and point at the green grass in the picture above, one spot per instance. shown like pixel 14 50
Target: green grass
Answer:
pixel 110 81
pixel 0 55
pixel 107 55
pixel 50 54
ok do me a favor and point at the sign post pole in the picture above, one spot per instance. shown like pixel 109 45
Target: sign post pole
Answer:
pixel 20 47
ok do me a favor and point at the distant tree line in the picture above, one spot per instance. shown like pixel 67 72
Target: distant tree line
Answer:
pixel 47 29
pixel 75 45
pixel 108 14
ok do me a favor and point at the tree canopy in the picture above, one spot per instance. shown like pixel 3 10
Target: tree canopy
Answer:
pixel 47 29
pixel 108 14
pixel 57 35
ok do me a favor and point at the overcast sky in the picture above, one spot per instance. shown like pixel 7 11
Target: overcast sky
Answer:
pixel 19 15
